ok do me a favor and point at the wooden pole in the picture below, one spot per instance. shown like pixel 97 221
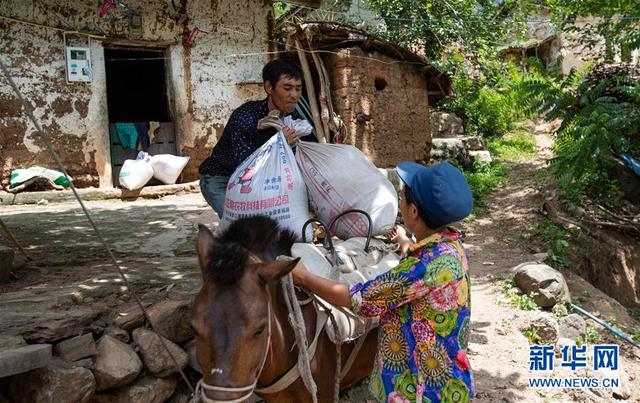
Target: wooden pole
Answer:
pixel 311 93
pixel 324 111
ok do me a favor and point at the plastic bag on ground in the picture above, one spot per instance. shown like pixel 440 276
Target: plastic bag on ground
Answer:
pixel 167 168
pixel 268 183
pixel 21 178
pixel 339 177
pixel 135 173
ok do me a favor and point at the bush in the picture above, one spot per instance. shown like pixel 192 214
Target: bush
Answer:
pixel 557 240
pixel 485 111
pixel 600 115
pixel 515 298
pixel 513 147
pixel 483 180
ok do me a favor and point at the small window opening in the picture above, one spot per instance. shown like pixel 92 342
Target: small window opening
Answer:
pixel 380 83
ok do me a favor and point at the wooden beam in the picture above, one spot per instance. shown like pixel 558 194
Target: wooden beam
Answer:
pixel 311 93
pixel 308 3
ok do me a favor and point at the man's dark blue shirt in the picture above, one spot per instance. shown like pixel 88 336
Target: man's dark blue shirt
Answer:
pixel 240 138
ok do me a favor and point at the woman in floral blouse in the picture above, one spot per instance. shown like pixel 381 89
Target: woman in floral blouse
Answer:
pixel 423 303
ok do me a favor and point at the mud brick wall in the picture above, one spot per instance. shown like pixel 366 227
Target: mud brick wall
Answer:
pixel 205 81
pixel 384 105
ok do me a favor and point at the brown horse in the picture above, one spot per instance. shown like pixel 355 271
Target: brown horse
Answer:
pixel 243 337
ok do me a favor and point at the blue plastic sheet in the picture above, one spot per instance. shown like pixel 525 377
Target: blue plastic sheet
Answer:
pixel 632 164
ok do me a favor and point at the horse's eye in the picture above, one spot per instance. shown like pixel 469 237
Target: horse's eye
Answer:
pixel 259 331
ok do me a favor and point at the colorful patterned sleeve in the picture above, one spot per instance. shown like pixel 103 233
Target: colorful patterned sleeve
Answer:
pixel 433 274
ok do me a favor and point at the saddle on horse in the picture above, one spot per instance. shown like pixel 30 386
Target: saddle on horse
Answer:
pixel 352 261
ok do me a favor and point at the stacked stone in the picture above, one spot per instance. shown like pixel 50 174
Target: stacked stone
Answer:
pixel 449 142
pixel 128 363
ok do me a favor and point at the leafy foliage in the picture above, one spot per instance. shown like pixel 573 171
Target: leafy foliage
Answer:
pixel 485 111
pixel 512 296
pixel 600 114
pixel 592 336
pixel 557 241
pixel 614 22
pixel 512 147
pixel 484 178
pixel 532 335
pixel 440 25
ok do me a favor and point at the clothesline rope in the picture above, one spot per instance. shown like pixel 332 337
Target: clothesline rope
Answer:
pixel 228 55
pixel 67 31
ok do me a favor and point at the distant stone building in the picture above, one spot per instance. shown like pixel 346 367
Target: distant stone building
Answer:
pixel 547 44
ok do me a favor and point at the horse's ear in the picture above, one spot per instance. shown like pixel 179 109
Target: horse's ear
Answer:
pixel 276 269
pixel 204 245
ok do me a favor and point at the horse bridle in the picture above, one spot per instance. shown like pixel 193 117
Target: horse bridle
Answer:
pixel 202 386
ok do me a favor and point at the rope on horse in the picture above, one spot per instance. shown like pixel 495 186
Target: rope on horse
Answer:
pixel 337 378
pixel 297 323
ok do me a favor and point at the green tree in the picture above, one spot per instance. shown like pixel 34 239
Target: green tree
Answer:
pixel 474 27
pixel 617 23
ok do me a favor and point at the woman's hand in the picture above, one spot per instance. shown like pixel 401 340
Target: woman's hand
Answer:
pixel 290 135
pixel 399 235
pixel 299 274
pixel 333 292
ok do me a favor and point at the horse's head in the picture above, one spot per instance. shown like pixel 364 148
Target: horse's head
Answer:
pixel 231 315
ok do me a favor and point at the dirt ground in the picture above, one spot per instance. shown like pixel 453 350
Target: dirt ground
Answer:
pixel 499 351
pixel 153 240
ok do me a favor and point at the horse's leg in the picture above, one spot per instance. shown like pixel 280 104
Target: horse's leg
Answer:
pixel 363 363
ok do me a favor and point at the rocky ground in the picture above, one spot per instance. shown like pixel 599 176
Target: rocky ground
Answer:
pixel 70 288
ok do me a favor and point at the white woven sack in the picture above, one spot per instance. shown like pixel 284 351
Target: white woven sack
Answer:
pixel 268 183
pixel 357 266
pixel 167 168
pixel 339 177
pixel 135 173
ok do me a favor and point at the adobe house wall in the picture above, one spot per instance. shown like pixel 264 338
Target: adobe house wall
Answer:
pixel 206 81
pixel 384 105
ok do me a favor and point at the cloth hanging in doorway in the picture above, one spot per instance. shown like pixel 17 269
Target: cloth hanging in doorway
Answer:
pixel 127 134
pixel 143 135
pixel 153 126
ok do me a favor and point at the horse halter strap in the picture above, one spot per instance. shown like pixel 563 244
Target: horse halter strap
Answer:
pixel 249 389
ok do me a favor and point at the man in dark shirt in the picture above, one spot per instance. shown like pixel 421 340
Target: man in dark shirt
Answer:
pixel 241 137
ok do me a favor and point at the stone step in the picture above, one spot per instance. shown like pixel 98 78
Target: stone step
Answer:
pixel 76 348
pixel 23 359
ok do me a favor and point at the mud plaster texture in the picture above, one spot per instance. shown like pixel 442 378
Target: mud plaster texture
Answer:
pixel 383 104
pixel 205 80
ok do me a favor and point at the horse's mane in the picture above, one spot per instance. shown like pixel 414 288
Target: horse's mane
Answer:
pixel 258 235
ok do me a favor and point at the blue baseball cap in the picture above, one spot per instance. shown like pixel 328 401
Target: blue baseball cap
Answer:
pixel 440 191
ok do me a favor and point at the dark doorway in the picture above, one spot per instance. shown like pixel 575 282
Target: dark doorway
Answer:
pixel 136 85
pixel 138 103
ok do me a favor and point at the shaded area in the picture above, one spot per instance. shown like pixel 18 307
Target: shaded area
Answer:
pixel 71 285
